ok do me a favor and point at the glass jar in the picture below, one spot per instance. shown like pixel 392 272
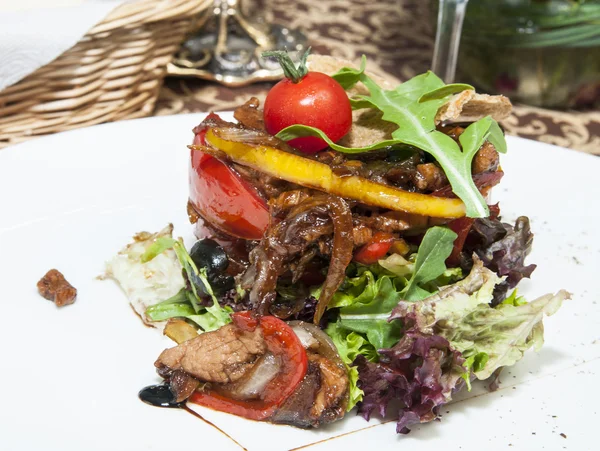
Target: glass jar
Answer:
pixel 539 52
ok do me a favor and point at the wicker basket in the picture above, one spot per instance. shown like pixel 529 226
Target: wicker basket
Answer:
pixel 113 73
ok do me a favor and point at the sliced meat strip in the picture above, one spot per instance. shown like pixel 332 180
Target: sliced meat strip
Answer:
pixel 430 177
pixel 321 397
pixel 289 239
pixel 361 233
pixel 486 159
pixel 221 356
pixel 296 410
pixel 330 400
pixel 267 185
pixel 182 385
pixel 249 115
pixel 287 200
pixel 385 222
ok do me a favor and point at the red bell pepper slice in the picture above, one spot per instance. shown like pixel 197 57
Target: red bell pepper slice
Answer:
pixel 375 249
pixel 223 197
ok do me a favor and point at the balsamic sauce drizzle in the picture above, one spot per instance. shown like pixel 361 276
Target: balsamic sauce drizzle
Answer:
pixel 161 396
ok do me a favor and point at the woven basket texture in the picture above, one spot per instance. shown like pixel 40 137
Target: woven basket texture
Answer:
pixel 114 72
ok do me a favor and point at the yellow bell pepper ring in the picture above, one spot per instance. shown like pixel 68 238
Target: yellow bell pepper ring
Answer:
pixel 313 174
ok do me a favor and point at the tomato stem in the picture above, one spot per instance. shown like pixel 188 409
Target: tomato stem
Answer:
pixel 291 72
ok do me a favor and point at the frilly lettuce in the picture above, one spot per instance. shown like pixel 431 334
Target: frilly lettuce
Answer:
pixel 462 314
pixel 448 338
pixel 419 351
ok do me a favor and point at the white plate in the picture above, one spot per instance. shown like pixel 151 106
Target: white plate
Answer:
pixel 70 376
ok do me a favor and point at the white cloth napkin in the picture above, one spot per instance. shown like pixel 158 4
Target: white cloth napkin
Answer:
pixel 35 32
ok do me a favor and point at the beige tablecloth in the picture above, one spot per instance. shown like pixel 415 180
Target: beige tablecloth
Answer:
pixel 394 34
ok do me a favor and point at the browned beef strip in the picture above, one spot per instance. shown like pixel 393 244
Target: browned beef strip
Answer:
pixel 249 115
pixel 430 177
pixel 54 287
pixel 288 239
pixel 287 200
pixel 383 222
pixel 270 187
pixel 212 120
pixel 295 411
pixel 361 233
pixel 330 401
pixel 221 356
pixel 182 385
pixel 486 159
pixel 320 398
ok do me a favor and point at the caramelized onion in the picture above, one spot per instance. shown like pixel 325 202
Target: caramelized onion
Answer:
pixel 291 237
pixel 253 384
pixel 341 254
pixel 314 338
pixel 253 138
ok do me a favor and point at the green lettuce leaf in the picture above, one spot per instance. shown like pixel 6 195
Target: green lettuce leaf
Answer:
pixel 208 318
pixel 514 299
pixel 489 338
pixel 355 394
pixel 350 345
pixel 413 106
pixel 367 300
pixel 369 313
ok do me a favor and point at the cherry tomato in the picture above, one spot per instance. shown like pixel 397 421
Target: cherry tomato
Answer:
pixel 281 341
pixel 375 249
pixel 317 100
pixel 223 198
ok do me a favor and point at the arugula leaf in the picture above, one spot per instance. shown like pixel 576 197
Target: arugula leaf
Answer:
pixel 435 248
pixel 221 315
pixel 496 137
pixel 366 301
pixel 445 91
pixel 298 131
pixel 348 76
pixel 413 106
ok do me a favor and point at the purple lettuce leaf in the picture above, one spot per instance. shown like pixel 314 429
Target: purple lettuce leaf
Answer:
pixel 421 371
pixel 502 248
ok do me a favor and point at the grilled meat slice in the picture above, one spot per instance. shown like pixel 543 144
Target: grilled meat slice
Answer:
pixel 295 411
pixel 221 356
